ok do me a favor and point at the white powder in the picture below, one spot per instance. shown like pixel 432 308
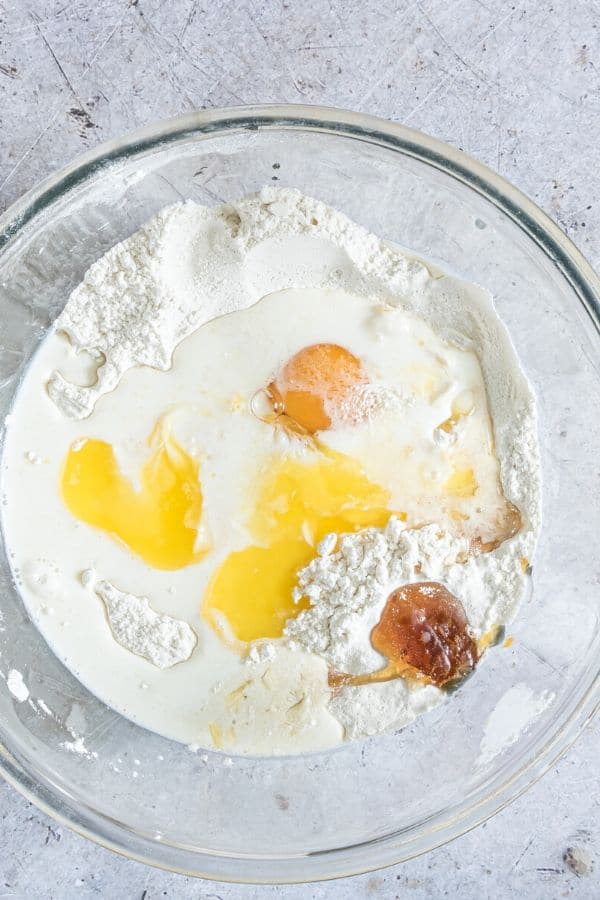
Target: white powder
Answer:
pixel 160 639
pixel 77 745
pixel 46 709
pixel 514 713
pixel 17 686
pixel 348 590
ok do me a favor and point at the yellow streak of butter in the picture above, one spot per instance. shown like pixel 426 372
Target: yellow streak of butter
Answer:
pixel 160 521
pixel 462 483
pixel 297 503
pixel 216 734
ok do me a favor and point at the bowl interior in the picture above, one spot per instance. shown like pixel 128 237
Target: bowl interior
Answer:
pixel 385 799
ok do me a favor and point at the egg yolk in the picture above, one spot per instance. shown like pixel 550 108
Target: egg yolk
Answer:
pixel 297 504
pixel 318 385
pixel 159 522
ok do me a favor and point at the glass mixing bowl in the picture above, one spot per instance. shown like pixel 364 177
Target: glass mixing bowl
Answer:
pixel 369 804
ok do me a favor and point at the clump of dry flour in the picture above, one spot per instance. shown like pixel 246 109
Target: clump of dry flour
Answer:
pixel 348 588
pixel 161 639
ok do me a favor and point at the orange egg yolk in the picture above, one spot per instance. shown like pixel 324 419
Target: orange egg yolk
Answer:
pixel 297 504
pixel 317 386
pixel 159 522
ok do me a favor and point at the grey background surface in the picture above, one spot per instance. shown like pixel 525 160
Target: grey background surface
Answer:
pixel 515 84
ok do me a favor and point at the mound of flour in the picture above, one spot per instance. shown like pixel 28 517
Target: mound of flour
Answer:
pixel 348 589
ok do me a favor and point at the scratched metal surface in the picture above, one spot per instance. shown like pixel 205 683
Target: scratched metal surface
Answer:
pixel 517 85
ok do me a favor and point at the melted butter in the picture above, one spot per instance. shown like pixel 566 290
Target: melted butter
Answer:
pixel 491 638
pixel 427 381
pixel 159 523
pixel 461 483
pixel 298 503
pixel 253 589
pixel 462 407
pixel 216 734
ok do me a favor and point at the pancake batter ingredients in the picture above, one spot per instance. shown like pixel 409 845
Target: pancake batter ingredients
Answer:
pixel 342 478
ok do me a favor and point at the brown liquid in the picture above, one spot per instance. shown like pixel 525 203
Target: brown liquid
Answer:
pixel 424 634
pixel 268 406
pixel 507 525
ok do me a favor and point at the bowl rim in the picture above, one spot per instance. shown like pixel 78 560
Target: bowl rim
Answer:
pixel 374 853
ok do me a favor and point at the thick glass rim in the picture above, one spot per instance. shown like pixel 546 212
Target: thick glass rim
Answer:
pixel 509 784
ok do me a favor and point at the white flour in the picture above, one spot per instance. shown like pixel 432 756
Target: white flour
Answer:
pixel 17 686
pixel 348 590
pixel 160 639
pixel 514 713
